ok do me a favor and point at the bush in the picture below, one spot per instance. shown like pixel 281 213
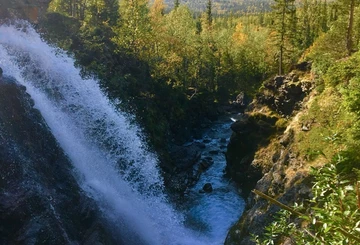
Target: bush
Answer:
pixel 333 216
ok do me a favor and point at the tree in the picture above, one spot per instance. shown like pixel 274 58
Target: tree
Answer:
pixel 180 51
pixel 134 27
pixel 176 4
pixel 157 19
pixel 209 17
pixel 349 33
pixel 99 12
pixel 348 7
pixel 71 8
pixel 283 11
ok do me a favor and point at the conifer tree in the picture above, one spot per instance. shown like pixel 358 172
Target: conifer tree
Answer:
pixel 209 16
pixel 283 10
pixel 349 33
pixel 349 9
pixel 176 4
pixel 306 31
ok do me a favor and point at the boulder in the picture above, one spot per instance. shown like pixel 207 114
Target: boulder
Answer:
pixel 207 188
pixel 205 163
pixel 184 157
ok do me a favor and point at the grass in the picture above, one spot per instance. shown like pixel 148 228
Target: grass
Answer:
pixel 329 127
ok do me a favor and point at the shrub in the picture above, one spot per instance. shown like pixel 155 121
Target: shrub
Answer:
pixel 333 216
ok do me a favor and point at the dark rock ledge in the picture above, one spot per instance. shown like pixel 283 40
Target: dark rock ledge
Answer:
pixel 40 201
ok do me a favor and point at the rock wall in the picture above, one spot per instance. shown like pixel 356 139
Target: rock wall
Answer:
pixel 272 165
pixel 40 200
pixel 23 9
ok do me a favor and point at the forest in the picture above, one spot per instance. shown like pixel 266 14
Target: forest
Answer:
pixel 173 63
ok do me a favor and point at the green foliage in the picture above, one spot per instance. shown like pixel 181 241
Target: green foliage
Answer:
pixel 333 216
pixel 133 30
pixel 176 66
pixel 284 20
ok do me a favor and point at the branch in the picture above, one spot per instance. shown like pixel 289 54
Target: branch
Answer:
pixel 302 216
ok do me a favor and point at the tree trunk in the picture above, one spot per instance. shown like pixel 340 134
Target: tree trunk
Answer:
pixel 282 39
pixel 349 34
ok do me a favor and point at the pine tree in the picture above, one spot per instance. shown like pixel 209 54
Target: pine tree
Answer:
pixel 209 16
pixel 324 17
pixel 283 10
pixel 306 31
pixel 176 4
pixel 348 7
pixel 349 33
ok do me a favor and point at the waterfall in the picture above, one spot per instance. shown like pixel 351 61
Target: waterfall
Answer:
pixel 111 161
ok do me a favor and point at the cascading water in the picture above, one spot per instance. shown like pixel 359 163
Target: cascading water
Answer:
pixel 110 160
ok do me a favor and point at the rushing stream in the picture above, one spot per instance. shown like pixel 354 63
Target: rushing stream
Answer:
pixel 110 159
pixel 214 212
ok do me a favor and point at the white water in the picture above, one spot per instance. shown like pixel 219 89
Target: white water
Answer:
pixel 111 162
pixel 215 211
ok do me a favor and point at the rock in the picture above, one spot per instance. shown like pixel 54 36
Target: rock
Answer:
pixel 287 138
pixel 284 94
pixel 206 141
pixel 184 157
pixel 303 66
pixel 242 126
pixel 274 169
pixel 40 200
pixel 306 86
pixel 207 188
pixel 279 81
pixel 241 100
pixel 206 163
pixel 305 128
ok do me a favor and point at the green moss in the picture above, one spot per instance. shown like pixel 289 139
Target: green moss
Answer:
pixel 281 124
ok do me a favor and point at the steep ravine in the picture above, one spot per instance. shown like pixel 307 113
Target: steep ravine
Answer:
pixel 261 154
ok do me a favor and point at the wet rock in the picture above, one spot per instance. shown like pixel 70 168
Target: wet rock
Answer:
pixel 206 141
pixel 40 200
pixel 185 157
pixel 206 163
pixel 243 126
pixel 207 188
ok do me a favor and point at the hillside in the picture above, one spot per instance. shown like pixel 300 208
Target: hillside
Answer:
pixel 223 7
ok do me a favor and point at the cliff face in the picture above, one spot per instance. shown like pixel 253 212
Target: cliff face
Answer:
pixel 275 166
pixel 40 200
pixel 23 9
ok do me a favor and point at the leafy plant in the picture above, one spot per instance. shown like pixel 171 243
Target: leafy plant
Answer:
pixel 333 216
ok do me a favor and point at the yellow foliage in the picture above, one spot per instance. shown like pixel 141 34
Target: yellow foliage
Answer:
pixel 239 37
